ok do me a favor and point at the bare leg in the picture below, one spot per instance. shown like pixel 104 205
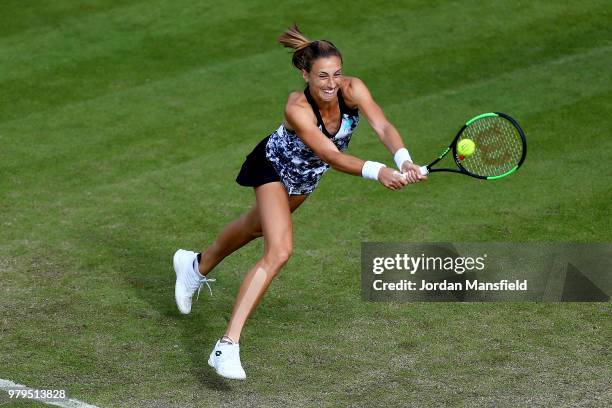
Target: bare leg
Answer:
pixel 277 228
pixel 237 234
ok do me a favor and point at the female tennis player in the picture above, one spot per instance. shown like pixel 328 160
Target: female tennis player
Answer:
pixel 284 168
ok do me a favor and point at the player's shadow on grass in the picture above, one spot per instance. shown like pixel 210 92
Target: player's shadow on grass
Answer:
pixel 148 272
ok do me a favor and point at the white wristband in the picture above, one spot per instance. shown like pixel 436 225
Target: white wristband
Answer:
pixel 401 156
pixel 371 169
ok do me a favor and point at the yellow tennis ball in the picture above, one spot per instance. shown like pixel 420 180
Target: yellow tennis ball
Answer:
pixel 466 147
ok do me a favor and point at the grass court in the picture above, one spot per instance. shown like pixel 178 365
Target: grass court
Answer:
pixel 124 123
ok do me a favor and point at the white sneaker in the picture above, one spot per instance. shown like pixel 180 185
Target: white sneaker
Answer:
pixel 187 279
pixel 225 359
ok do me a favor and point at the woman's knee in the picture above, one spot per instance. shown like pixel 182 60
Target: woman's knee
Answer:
pixel 278 256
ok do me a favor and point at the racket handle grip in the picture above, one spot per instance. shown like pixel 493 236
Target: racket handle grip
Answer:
pixel 423 170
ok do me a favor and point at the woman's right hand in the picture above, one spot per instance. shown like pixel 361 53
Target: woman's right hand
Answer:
pixel 392 179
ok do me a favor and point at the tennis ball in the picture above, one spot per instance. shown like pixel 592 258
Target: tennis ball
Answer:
pixel 466 147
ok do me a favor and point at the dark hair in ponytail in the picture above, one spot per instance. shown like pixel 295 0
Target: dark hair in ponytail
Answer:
pixel 306 51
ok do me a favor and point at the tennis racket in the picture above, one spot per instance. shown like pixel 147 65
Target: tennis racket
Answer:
pixel 499 145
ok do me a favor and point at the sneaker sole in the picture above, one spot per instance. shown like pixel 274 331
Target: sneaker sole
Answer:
pixel 230 378
pixel 210 363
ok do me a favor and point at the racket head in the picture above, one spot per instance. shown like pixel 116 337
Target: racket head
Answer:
pixel 500 146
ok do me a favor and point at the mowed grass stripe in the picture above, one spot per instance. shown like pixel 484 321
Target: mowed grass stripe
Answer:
pixel 20 18
pixel 160 176
pixel 88 137
pixel 523 92
pixel 122 30
pixel 425 68
pixel 193 170
pixel 88 79
pixel 202 81
pixel 135 59
pixel 109 29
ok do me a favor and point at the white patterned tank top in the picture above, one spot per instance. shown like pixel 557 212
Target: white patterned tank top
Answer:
pixel 298 167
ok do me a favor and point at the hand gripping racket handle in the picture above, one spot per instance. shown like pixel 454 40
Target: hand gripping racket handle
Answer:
pixel 423 170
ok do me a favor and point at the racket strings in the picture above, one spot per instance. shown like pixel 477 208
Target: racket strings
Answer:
pixel 499 146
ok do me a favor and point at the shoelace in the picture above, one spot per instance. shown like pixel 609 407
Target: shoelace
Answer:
pixel 203 281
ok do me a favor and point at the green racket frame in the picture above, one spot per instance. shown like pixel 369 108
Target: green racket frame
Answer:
pixel 453 147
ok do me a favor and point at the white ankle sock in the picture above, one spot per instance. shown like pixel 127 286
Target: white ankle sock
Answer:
pixel 226 340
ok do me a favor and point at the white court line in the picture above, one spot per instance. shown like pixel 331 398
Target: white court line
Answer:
pixel 67 403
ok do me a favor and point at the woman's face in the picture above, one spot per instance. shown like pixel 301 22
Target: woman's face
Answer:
pixel 324 77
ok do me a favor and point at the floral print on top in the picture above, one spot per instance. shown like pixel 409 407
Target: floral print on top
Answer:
pixel 298 167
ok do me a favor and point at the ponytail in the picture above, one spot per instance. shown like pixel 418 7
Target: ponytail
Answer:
pixel 306 51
